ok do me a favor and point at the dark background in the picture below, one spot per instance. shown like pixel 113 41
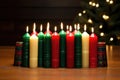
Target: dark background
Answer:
pixel 15 15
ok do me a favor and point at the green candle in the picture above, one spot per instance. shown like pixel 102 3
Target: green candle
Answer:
pixel 25 54
pixel 78 48
pixel 40 47
pixel 47 50
pixel 62 47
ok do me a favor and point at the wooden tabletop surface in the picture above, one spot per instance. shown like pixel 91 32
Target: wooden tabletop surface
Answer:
pixel 10 72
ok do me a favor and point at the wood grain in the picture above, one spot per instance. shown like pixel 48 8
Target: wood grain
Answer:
pixel 10 72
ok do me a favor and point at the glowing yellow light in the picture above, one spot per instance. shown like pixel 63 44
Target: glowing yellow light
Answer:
pixel 107 0
pixel 105 17
pixel 97 5
pixel 90 3
pixel 85 27
pixel 41 27
pixel 118 38
pixel 111 2
pixel 93 4
pixel 27 28
pixel 75 26
pixel 111 39
pixel 61 25
pixel 92 29
pixel 70 29
pixel 101 26
pixel 55 28
pixel 80 14
pixel 102 34
pixel 90 21
pixel 84 11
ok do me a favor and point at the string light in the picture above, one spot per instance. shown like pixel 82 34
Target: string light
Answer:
pixel 102 34
pixel 111 39
pixel 93 4
pixel 84 11
pixel 90 21
pixel 101 26
pixel 111 2
pixel 90 3
pixel 107 0
pixel 97 5
pixel 105 17
pixel 80 14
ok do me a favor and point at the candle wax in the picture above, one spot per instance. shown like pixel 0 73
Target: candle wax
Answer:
pixel 55 49
pixel 40 48
pixel 62 48
pixel 85 49
pixel 47 51
pixel 78 49
pixel 33 51
pixel 25 54
pixel 70 50
pixel 93 50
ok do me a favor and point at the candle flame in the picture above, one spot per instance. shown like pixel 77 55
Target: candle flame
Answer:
pixel 48 26
pixel 70 29
pixel 67 27
pixel 55 28
pixel 92 29
pixel 75 26
pixel 41 27
pixel 27 28
pixel 78 27
pixel 61 25
pixel 85 27
pixel 34 27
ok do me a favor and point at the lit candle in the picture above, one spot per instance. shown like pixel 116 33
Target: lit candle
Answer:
pixel 55 39
pixel 40 47
pixel 47 49
pixel 78 47
pixel 75 27
pixel 62 47
pixel 93 50
pixel 34 28
pixel 85 48
pixel 67 30
pixel 48 31
pixel 25 54
pixel 70 49
pixel 33 50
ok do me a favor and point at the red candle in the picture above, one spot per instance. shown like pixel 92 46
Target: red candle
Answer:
pixel 93 50
pixel 34 30
pixel 55 49
pixel 48 27
pixel 70 49
pixel 67 30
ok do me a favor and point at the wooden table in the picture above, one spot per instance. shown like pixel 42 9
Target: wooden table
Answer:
pixel 10 72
